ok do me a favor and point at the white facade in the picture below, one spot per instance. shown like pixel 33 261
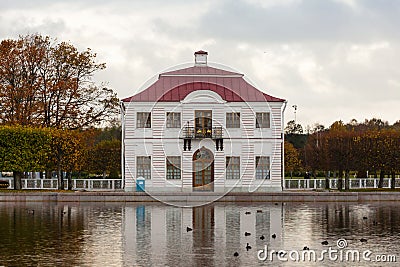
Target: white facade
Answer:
pixel 159 141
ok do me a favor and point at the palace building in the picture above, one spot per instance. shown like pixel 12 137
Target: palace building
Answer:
pixel 202 128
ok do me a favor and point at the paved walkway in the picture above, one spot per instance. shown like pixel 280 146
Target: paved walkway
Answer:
pixel 297 196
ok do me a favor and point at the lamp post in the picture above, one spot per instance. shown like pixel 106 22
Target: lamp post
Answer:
pixel 295 111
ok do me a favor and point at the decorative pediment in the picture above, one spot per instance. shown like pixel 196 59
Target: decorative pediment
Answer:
pixel 203 96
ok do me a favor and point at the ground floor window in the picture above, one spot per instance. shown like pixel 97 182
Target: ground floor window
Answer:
pixel 262 167
pixel 143 167
pixel 174 167
pixel 232 167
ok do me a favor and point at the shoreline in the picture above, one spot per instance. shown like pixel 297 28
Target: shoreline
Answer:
pixel 113 196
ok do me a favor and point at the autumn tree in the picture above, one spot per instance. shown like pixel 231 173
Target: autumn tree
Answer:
pixel 314 150
pixel 387 154
pixel 327 149
pixel 67 151
pixel 396 126
pixel 105 157
pixel 317 128
pixel 368 146
pixel 294 135
pixel 292 158
pixel 293 128
pixel 49 84
pixel 19 83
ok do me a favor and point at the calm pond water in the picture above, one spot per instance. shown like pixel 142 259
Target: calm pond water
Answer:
pixel 95 234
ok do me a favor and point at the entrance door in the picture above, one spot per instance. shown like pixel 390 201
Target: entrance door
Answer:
pixel 203 170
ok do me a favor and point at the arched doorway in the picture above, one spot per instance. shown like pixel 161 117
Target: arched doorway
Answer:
pixel 203 170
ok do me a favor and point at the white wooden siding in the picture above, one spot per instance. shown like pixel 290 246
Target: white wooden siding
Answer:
pixel 276 122
pixel 188 116
pixel 158 167
pixel 247 118
pixel 276 163
pixel 187 169
pixel 218 116
pixel 219 168
pixel 130 123
pixel 130 167
pixel 247 163
pixel 158 121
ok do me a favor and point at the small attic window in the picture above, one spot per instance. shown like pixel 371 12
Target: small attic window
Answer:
pixel 200 58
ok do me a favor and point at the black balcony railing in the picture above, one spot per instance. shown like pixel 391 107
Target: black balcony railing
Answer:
pixel 201 133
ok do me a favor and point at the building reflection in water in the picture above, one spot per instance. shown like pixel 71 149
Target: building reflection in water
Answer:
pixel 203 221
pixel 155 233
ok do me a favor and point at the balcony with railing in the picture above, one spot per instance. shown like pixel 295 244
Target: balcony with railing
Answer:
pixel 201 133
pixel 190 133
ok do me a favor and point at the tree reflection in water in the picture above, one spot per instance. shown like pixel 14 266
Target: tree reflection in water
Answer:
pixel 40 234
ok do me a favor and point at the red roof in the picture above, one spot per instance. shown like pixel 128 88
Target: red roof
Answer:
pixel 174 86
pixel 203 70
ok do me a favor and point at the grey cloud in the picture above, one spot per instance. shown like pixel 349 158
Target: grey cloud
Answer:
pixel 21 26
pixel 307 20
pixel 314 29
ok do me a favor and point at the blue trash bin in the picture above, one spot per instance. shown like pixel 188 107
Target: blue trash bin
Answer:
pixel 140 184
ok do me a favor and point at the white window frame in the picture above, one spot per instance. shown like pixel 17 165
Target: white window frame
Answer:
pixel 174 166
pixel 140 120
pixel 232 169
pixel 233 121
pixel 143 172
pixel 263 171
pixel 172 121
pixel 263 120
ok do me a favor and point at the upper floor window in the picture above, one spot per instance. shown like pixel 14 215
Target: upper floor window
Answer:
pixel 262 167
pixel 173 120
pixel 143 120
pixel 263 120
pixel 203 123
pixel 233 120
pixel 143 167
pixel 173 167
pixel 232 167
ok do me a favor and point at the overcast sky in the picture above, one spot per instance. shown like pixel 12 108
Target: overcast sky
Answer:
pixel 334 59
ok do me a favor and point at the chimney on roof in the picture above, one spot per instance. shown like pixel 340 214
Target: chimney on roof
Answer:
pixel 200 58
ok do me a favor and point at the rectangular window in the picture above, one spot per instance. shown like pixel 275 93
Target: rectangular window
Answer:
pixel 143 120
pixel 262 120
pixel 203 123
pixel 174 167
pixel 232 167
pixel 173 120
pixel 262 168
pixel 233 120
pixel 143 167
